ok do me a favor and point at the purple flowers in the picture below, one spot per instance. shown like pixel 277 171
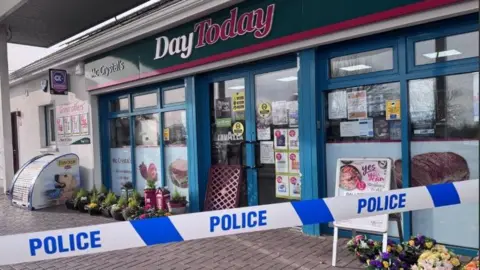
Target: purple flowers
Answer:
pixel 385 255
pixel 376 264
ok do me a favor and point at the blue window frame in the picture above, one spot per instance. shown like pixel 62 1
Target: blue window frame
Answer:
pixel 154 108
pixel 405 70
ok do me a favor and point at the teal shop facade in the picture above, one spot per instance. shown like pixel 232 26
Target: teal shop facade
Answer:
pixel 230 87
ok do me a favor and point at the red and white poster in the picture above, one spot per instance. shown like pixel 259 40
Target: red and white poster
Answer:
pixel 73 125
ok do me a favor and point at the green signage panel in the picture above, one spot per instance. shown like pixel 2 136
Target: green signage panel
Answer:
pixel 251 26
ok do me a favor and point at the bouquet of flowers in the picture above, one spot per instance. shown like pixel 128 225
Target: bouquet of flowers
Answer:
pixel 415 246
pixel 472 265
pixel 438 258
pixel 386 261
pixel 363 248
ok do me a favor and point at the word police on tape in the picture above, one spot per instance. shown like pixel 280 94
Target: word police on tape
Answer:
pixel 101 238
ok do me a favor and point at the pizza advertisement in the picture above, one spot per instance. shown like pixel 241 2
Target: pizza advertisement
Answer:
pixel 359 176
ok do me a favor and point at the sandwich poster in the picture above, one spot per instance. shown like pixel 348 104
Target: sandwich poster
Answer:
pixel 176 167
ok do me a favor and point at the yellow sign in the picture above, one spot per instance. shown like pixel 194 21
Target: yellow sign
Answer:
pixel 166 134
pixel 392 108
pixel 67 162
pixel 238 128
pixel 239 102
pixel 264 109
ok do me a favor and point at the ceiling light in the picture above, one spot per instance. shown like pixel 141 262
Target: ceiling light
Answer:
pixel 288 79
pixel 355 68
pixel 238 87
pixel 442 54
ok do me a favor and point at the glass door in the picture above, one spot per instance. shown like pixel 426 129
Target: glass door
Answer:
pixel 257 127
pixel 276 129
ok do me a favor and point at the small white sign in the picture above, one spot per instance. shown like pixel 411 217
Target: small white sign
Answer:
pixel 349 129
pixel 267 155
pixel 365 127
pixel 264 134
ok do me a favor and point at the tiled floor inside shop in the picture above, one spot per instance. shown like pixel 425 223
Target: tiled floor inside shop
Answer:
pixel 276 249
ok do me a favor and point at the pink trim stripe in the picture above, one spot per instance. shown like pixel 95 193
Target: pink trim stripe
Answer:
pixel 381 16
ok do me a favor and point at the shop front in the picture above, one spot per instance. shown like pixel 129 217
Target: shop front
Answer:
pixel 409 94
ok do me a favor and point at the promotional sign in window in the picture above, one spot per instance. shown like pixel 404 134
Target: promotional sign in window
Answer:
pixel 73 125
pixel 363 175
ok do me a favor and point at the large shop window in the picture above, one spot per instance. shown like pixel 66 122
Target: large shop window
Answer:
pixel 446 48
pixel 362 122
pixel 445 148
pixel 159 140
pixel 361 63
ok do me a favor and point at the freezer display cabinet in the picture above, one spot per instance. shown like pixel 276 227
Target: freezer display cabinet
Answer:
pixel 45 181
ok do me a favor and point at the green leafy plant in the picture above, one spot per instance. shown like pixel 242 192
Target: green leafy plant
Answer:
pixel 110 200
pixel 81 193
pixel 104 190
pixel 177 198
pixel 94 191
pixel 94 198
pixel 150 185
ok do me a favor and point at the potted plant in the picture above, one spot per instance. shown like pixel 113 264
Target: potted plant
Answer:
pixel 93 207
pixel 81 200
pixel 117 209
pixel 70 203
pixel 110 200
pixel 127 190
pixel 150 194
pixel 103 194
pixel 132 208
pixel 177 203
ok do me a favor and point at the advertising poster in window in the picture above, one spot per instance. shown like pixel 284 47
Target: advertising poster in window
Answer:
pixel 337 105
pixel 75 127
pixel 295 187
pixel 176 153
pixel 280 113
pixel 293 139
pixel 281 162
pixel 360 176
pixel 223 112
pixel 392 109
pixel 292 107
pixel 176 167
pixel 239 102
pixel 282 186
pixel 121 168
pixel 357 105
pixel 267 154
pixel 280 139
pixel 147 166
pixel 293 163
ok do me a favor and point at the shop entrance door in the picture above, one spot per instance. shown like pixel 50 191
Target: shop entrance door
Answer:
pixel 253 120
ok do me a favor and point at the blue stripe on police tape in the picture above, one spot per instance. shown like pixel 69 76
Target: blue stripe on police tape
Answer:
pixel 443 195
pixel 156 231
pixel 321 214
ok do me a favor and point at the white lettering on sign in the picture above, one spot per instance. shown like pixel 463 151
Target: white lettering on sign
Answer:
pixel 179 45
pixel 259 22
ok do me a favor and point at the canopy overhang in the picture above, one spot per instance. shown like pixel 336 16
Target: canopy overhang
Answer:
pixel 44 23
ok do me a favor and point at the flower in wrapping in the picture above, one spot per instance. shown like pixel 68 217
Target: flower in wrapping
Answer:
pixel 411 243
pixel 445 256
pixel 455 262
pixel 142 216
pixel 428 244
pixel 359 238
pixel 389 249
pixel 385 264
pixel 377 244
pixel 376 264
pixel 399 248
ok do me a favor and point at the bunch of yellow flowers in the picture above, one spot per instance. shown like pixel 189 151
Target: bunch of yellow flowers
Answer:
pixel 439 257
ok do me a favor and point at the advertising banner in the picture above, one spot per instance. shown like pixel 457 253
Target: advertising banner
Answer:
pixel 73 124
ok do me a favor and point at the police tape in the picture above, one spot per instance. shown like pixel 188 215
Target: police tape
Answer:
pixel 69 242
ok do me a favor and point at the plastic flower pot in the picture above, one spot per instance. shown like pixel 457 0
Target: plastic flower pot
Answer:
pixel 70 204
pixel 176 208
pixel 81 206
pixel 94 211
pixel 150 197
pixel 118 215
pixel 106 212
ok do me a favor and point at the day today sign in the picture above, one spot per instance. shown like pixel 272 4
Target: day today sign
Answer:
pixel 248 27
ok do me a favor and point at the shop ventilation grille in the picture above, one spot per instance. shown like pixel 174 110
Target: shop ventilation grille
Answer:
pixel 223 190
